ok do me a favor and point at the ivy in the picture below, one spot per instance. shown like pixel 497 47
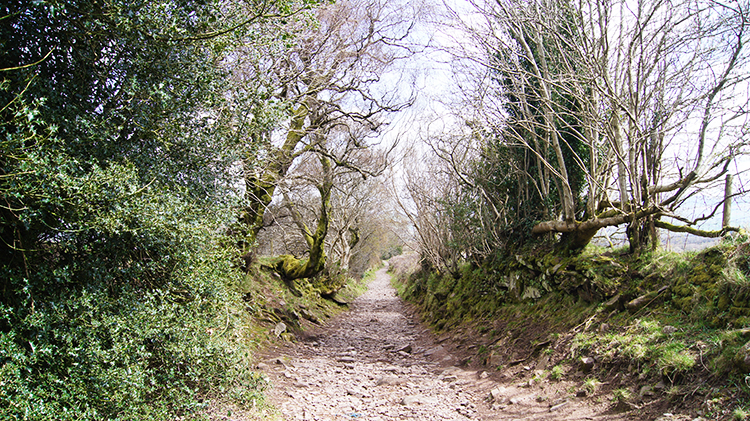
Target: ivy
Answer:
pixel 114 284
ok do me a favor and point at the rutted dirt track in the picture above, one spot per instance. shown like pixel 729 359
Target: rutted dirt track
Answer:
pixel 376 362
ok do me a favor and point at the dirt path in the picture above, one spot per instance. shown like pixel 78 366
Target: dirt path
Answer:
pixel 376 362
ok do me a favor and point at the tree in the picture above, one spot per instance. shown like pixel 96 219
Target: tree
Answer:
pixel 357 203
pixel 309 193
pixel 111 193
pixel 359 217
pixel 331 82
pixel 434 202
pixel 602 108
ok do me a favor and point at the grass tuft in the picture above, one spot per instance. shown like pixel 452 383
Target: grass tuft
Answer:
pixel 557 372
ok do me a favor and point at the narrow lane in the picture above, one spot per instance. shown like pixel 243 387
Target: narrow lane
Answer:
pixel 375 363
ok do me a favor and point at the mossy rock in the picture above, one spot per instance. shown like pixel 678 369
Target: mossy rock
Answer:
pixel 742 358
pixel 569 281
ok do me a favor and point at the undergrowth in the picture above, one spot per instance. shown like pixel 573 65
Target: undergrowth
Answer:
pixel 671 317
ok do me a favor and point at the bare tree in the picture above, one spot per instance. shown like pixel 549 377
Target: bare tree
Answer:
pixel 335 166
pixel 356 201
pixel 427 199
pixel 332 79
pixel 619 111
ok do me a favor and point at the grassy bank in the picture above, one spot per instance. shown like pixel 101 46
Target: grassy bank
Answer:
pixel 657 332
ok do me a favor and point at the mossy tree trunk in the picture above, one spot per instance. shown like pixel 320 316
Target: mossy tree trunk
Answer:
pixel 261 183
pixel 288 266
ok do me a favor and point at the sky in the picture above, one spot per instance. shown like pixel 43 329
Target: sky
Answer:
pixel 438 85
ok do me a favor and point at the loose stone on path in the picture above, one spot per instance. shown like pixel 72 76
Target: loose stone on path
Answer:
pixel 375 363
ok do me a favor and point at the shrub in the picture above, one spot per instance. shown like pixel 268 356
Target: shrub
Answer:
pixel 621 395
pixel 557 372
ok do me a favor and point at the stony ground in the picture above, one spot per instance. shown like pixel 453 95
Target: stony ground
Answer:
pixel 376 362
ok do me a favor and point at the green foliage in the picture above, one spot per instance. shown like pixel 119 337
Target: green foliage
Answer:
pixel 695 327
pixel 591 385
pixel 557 372
pixel 395 250
pixel 116 299
pixel 622 395
pixel 518 160
pixel 94 351
pixel 675 358
pixel 643 342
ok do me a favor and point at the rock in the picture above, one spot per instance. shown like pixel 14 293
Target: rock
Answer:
pixel 437 350
pixel 645 299
pixel 346 359
pixel 673 417
pixel 407 349
pixel 555 268
pixel 262 366
pixel 336 299
pixel 581 394
pixel 497 394
pixel 309 316
pixel 586 364
pixel 614 303
pixel 604 328
pixel 279 329
pixel 543 362
pixel 557 402
pixel 450 378
pixel 558 406
pixel 515 401
pixel 450 370
pixel 646 391
pixel 358 393
pixel 668 330
pixel 498 406
pixel 388 380
pixel 531 293
pixel 483 375
pixel 412 400
pixel 494 359
pixel 742 358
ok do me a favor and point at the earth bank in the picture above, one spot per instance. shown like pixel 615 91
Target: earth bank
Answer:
pixel 651 334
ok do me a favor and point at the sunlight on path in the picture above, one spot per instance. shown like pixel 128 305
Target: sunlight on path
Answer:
pixel 375 363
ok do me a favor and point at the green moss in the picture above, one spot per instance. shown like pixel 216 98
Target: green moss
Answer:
pixel 738 312
pixel 723 303
pixel 708 292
